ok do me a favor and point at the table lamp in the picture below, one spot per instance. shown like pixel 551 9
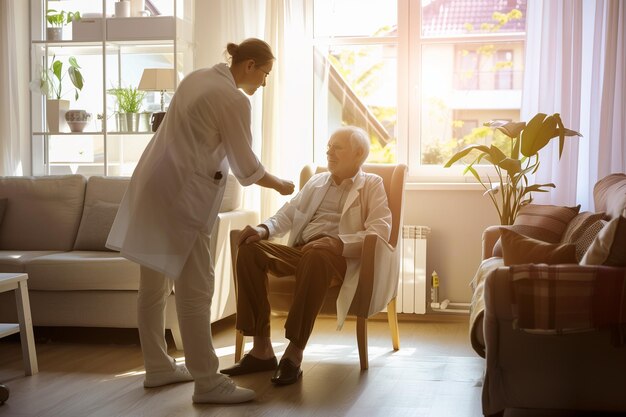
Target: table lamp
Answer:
pixel 158 79
pixel 161 80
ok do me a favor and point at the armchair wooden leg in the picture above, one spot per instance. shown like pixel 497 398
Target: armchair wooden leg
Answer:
pixel 361 337
pixel 239 343
pixel 392 317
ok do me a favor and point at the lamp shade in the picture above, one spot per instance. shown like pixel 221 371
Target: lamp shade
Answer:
pixel 158 79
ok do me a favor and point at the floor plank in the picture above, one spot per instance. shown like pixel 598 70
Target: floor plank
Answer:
pixel 99 372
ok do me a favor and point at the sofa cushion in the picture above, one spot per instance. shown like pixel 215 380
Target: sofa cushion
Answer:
pixel 42 213
pixel 609 246
pixel 542 222
pixel 15 261
pixel 95 226
pixel 518 249
pixel 82 270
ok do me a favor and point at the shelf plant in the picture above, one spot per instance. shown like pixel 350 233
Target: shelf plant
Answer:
pixel 129 100
pixel 51 81
pixel 57 19
pixel 512 189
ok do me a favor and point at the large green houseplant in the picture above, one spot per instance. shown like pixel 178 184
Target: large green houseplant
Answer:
pixel 512 189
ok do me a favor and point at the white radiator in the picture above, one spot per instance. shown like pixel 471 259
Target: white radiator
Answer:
pixel 412 285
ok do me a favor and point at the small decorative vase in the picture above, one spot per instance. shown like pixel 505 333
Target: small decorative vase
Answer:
pixel 77 120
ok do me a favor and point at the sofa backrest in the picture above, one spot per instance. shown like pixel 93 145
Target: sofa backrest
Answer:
pixel 609 195
pixel 102 199
pixel 41 213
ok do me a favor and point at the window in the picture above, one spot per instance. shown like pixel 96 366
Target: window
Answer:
pixel 422 77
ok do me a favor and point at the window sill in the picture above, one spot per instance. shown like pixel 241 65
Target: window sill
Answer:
pixel 442 186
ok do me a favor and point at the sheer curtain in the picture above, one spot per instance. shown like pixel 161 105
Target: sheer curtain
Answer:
pixel 14 93
pixel 575 67
pixel 282 114
pixel 287 110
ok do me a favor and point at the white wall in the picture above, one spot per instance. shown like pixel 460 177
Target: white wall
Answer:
pixel 457 219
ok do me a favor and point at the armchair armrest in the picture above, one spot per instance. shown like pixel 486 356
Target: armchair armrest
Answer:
pixel 490 236
pixel 378 279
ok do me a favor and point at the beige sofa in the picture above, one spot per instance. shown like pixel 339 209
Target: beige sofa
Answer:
pixel 543 328
pixel 54 228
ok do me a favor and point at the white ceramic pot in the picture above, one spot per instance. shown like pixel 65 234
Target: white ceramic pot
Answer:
pixel 55 115
pixel 122 8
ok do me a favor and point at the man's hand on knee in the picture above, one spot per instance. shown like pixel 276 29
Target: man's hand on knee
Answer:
pixel 252 234
pixel 331 244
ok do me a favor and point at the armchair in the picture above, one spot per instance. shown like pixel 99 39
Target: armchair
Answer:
pixel 378 281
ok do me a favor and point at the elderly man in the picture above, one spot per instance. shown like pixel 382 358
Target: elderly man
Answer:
pixel 328 220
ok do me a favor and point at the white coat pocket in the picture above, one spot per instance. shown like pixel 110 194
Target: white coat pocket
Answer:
pixel 199 200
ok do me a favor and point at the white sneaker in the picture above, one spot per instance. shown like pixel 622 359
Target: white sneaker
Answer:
pixel 158 379
pixel 225 393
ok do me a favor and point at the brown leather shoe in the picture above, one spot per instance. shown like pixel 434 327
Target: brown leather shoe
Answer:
pixel 249 364
pixel 287 373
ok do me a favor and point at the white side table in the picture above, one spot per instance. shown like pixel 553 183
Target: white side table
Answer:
pixel 17 282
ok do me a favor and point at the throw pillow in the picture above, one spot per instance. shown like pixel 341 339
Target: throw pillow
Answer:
pixel 542 222
pixel 586 239
pixel 95 226
pixel 579 224
pixel 609 247
pixel 519 249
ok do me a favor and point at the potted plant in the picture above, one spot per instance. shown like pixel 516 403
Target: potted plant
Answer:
pixel 513 190
pixel 50 84
pixel 56 20
pixel 129 101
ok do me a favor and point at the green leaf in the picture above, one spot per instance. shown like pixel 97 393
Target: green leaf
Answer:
pixel 464 152
pixel 73 62
pixel 512 166
pixel 57 66
pixel 512 129
pixel 530 133
pixel 76 77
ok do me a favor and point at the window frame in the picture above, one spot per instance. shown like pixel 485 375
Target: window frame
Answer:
pixel 409 42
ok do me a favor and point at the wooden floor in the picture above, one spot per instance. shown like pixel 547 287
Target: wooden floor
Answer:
pixel 99 372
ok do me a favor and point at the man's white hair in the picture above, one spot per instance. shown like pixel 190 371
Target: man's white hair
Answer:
pixel 358 139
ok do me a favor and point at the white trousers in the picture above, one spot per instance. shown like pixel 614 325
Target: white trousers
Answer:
pixel 193 294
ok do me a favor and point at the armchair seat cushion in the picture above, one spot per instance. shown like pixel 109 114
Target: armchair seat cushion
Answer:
pixel 82 270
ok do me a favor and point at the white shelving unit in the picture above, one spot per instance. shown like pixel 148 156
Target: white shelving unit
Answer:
pixel 112 52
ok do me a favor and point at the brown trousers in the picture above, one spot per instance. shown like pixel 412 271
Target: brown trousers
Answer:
pixel 315 271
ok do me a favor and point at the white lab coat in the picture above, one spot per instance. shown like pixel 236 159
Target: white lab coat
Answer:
pixel 177 187
pixel 366 211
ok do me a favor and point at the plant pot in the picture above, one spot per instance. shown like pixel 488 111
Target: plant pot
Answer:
pixel 144 121
pixel 120 122
pixel 55 115
pixel 132 122
pixel 54 34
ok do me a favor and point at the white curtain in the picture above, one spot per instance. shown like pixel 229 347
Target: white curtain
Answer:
pixel 282 114
pixel 287 110
pixel 575 66
pixel 14 93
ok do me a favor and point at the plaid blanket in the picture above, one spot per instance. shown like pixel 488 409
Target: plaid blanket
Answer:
pixel 556 299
